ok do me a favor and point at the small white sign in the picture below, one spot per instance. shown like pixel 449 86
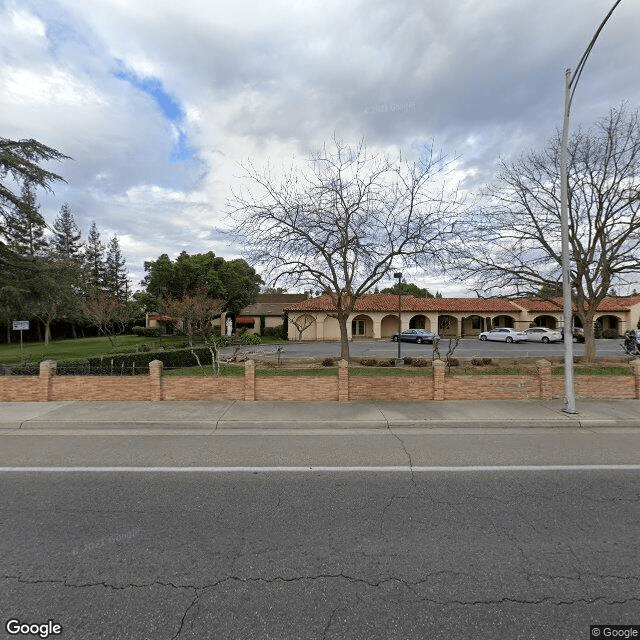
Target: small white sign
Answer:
pixel 21 325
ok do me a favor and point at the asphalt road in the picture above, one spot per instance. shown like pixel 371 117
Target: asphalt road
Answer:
pixel 467 348
pixel 501 555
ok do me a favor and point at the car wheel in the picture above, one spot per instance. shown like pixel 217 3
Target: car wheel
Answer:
pixel 395 338
pixel 483 338
pixel 509 339
pixel 419 340
pixel 545 339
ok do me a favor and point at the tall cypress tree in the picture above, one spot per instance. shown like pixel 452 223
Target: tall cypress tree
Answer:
pixel 25 231
pixel 94 257
pixel 115 281
pixel 66 240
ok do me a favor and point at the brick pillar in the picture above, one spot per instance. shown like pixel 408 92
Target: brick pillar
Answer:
pixel 250 380
pixel 544 379
pixel 343 381
pixel 635 367
pixel 47 371
pixel 155 372
pixel 438 380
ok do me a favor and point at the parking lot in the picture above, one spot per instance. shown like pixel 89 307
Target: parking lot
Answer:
pixel 467 348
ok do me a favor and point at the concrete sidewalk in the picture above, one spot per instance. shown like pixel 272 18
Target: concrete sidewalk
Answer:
pixel 236 415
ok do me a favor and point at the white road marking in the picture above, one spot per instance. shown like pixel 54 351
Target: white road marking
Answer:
pixel 313 469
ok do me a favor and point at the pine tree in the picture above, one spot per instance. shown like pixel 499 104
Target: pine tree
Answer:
pixel 66 240
pixel 94 257
pixel 25 231
pixel 115 280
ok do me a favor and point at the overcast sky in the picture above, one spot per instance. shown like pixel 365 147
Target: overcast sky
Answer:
pixel 158 101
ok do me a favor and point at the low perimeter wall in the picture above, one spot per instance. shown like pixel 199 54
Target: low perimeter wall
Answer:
pixel 50 387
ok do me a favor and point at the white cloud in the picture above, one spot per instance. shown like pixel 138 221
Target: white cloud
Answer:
pixel 267 81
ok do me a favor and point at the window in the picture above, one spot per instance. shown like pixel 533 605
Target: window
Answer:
pixel 358 327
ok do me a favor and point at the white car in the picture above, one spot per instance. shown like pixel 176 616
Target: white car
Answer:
pixel 542 334
pixel 503 334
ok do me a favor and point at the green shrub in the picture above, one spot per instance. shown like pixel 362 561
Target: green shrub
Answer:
pixel 387 363
pixel 274 332
pixel 420 362
pixel 327 362
pixel 369 362
pixel 408 360
pixel 137 331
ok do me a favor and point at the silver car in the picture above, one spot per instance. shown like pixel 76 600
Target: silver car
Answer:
pixel 542 334
pixel 503 334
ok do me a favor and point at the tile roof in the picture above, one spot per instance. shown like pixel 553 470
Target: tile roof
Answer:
pixel 272 304
pixel 608 304
pixel 389 302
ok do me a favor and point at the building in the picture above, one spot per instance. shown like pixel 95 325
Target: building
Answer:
pixel 376 316
pixel 267 311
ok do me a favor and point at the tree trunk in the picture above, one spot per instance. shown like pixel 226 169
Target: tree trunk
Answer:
pixel 344 337
pixel 589 338
pixel 47 332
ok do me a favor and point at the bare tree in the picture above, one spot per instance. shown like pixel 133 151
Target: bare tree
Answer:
pixel 512 243
pixel 197 312
pixel 302 323
pixel 344 220
pixel 107 313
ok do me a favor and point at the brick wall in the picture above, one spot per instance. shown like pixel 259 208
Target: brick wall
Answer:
pixel 439 386
pixel 388 388
pixel 303 388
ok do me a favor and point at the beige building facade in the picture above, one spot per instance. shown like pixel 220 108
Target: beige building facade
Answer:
pixel 376 316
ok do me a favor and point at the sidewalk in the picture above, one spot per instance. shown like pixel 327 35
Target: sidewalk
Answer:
pixel 236 415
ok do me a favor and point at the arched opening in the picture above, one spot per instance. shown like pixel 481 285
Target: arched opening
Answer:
pixel 545 321
pixel 472 325
pixel 388 326
pixel 447 326
pixel 609 326
pixel 362 327
pixel 419 322
pixel 503 321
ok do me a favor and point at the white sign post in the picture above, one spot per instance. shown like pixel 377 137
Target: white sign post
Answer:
pixel 21 325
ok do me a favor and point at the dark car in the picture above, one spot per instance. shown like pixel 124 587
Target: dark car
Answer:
pixel 578 334
pixel 417 335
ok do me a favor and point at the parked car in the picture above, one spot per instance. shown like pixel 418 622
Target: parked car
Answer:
pixel 503 334
pixel 542 334
pixel 417 335
pixel 578 334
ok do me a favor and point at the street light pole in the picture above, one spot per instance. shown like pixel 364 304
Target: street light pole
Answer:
pixel 571 80
pixel 399 276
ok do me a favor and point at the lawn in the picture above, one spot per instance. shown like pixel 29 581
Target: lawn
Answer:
pixel 80 348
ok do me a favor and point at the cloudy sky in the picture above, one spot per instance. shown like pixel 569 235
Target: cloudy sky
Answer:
pixel 158 101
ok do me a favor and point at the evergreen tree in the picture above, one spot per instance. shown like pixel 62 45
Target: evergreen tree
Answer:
pixel 115 279
pixel 66 240
pixel 94 257
pixel 25 232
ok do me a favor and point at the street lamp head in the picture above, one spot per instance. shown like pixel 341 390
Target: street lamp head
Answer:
pixel 397 275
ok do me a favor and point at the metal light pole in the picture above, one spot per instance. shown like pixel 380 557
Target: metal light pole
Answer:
pixel 571 80
pixel 399 276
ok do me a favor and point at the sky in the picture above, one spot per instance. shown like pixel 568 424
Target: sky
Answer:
pixel 158 103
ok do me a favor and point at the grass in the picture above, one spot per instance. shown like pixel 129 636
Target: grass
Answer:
pixel 80 348
pixel 596 370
